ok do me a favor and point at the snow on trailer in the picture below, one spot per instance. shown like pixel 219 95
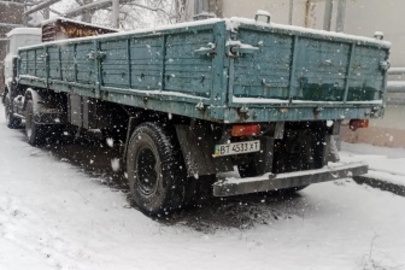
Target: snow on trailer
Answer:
pixel 193 100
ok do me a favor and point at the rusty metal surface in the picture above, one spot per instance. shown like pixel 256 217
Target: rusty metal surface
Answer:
pixel 62 29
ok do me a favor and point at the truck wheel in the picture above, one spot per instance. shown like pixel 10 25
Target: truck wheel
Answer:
pixel 12 121
pixel 155 170
pixel 32 130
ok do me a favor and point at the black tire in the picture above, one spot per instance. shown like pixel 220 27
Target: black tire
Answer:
pixel 34 132
pixel 156 173
pixel 11 121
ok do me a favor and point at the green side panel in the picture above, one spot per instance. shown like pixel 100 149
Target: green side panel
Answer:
pixel 366 80
pixel 84 65
pixel 186 71
pixel 40 70
pixel 54 63
pixel 264 74
pixel 320 70
pixel 145 62
pixel 114 67
pixel 191 71
pixel 31 63
pixel 67 59
pixel 23 62
pixel 306 68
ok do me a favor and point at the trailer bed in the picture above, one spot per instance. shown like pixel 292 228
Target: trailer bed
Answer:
pixel 222 70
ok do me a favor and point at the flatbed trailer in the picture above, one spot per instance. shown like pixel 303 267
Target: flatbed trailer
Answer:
pixel 190 101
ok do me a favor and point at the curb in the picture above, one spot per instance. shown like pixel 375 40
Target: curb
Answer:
pixel 378 183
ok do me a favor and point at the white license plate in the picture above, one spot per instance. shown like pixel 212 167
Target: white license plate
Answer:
pixel 236 148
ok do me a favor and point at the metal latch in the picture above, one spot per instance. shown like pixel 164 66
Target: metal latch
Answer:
pixel 385 65
pixel 206 51
pixel 97 55
pixel 236 48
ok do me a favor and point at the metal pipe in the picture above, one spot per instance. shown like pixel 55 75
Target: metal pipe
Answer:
pixel 396 71
pixel 115 13
pixel 396 86
pixel 290 12
pixel 307 9
pixel 40 6
pixel 341 16
pixel 92 6
pixel 10 25
pixel 46 13
pixel 327 19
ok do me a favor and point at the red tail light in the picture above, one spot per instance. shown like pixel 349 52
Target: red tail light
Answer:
pixel 245 130
pixel 358 123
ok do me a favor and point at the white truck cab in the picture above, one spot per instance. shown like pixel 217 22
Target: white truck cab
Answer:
pixel 18 37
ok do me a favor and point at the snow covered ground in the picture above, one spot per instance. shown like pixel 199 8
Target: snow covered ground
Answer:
pixel 57 214
pixel 385 164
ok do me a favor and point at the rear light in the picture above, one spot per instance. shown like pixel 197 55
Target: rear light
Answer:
pixel 358 123
pixel 245 130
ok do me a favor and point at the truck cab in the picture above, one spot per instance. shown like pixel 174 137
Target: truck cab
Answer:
pixel 18 37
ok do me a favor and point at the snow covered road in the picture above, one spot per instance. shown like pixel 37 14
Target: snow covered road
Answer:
pixel 55 215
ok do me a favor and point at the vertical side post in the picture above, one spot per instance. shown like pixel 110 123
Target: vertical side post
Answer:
pixel 26 59
pixel 35 61
pixel 97 70
pixel 294 54
pixel 129 62
pixel 47 67
pixel 349 71
pixel 163 63
pixel 60 63
pixel 75 64
pixel 219 80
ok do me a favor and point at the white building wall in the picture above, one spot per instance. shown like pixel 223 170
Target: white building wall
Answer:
pixel 363 17
pixel 279 9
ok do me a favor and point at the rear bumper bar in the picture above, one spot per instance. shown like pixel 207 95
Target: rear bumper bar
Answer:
pixel 236 186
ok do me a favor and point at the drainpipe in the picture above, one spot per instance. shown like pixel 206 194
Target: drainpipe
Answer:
pixel 290 12
pixel 307 9
pixel 327 19
pixel 341 15
pixel 115 14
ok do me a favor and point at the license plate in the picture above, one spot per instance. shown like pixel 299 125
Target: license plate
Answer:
pixel 236 148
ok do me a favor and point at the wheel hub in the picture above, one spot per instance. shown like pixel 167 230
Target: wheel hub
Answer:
pixel 147 171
